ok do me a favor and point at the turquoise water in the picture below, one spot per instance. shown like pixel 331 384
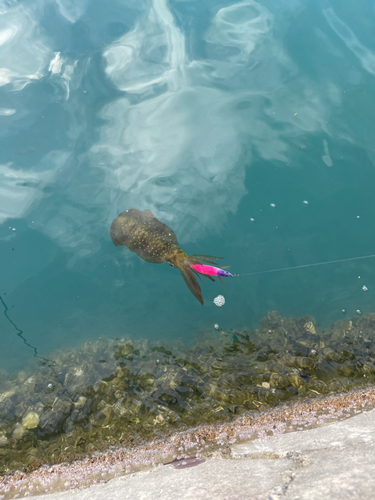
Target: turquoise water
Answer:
pixel 207 113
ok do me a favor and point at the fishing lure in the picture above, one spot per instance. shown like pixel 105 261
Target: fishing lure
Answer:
pixel 210 271
pixel 155 242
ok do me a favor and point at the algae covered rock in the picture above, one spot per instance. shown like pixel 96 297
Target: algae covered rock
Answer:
pixel 31 420
pixel 122 391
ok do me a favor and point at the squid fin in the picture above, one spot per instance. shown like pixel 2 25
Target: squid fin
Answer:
pixel 191 282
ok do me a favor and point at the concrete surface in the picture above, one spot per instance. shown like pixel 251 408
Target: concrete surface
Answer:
pixel 336 461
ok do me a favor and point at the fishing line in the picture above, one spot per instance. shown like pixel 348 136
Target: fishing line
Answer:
pixel 307 265
pixel 50 363
pixel 20 334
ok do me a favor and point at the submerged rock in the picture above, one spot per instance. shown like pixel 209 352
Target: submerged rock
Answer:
pixel 3 440
pixel 31 420
pixel 113 392
pixel 18 431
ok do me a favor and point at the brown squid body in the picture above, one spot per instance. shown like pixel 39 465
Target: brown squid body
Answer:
pixel 155 242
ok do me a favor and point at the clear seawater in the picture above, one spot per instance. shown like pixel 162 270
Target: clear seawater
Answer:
pixel 247 127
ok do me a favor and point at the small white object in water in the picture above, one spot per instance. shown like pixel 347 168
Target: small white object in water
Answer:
pixel 364 288
pixel 216 326
pixel 305 202
pixel 343 311
pixel 219 301
pixel 358 311
pixel 272 205
pixel 252 220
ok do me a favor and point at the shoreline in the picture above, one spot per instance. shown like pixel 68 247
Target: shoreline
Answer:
pixel 201 442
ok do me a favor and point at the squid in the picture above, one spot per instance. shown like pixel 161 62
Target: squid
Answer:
pixel 155 242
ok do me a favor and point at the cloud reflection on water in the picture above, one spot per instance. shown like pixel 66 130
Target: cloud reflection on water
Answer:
pixel 18 189
pixel 365 56
pixel 181 134
pixel 26 56
pixel 175 142
pixel 24 49
pixel 72 10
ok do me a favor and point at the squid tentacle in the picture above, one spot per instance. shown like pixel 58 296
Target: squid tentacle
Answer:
pixel 191 282
pixel 208 259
